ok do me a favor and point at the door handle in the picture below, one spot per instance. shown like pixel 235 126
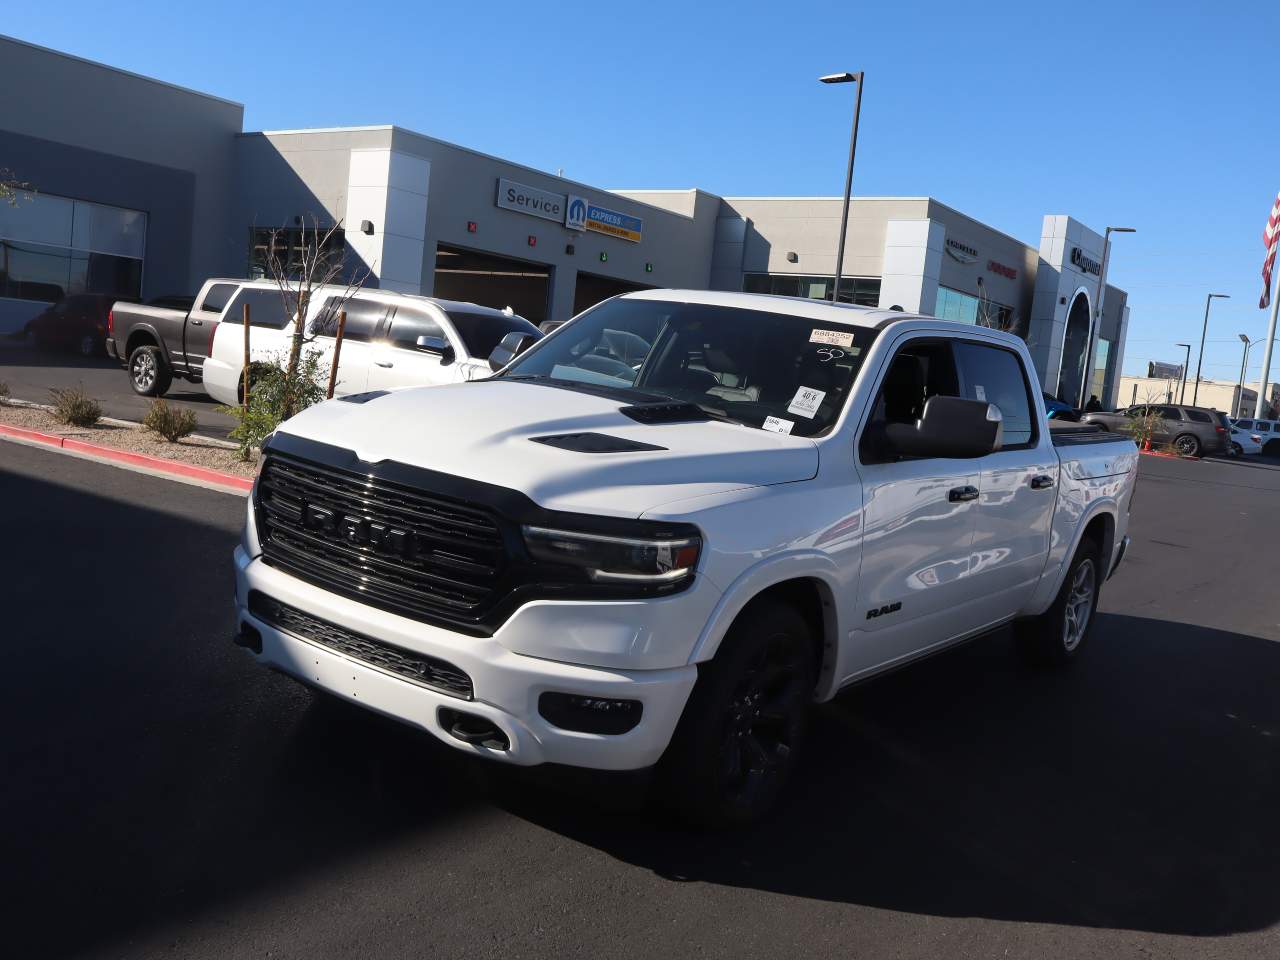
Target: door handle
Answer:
pixel 1041 482
pixel 383 363
pixel 197 323
pixel 962 494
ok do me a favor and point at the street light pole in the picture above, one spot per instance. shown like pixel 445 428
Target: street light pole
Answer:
pixel 848 178
pixel 1095 326
pixel 1244 362
pixel 1182 394
pixel 1195 393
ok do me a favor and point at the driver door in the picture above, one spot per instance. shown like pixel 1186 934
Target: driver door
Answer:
pixel 918 523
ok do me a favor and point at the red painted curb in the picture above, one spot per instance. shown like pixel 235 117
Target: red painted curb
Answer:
pixel 159 464
pixel 1167 456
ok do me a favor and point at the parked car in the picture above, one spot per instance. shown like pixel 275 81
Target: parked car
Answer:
pixel 1268 432
pixel 1193 431
pixel 390 340
pixel 669 565
pixel 167 338
pixel 1244 441
pixel 1056 409
pixel 77 322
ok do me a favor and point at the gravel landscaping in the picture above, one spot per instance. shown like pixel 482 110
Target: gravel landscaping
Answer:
pixel 197 451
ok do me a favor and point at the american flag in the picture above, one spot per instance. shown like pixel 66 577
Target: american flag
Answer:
pixel 1270 239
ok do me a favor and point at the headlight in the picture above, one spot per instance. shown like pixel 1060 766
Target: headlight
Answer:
pixel 635 560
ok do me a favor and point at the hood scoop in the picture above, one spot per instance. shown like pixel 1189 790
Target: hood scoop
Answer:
pixel 595 443
pixel 665 412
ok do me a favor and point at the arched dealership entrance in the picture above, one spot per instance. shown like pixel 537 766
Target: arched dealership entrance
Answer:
pixel 1075 342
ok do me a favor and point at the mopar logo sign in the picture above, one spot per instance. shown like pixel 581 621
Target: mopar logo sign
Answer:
pixel 575 215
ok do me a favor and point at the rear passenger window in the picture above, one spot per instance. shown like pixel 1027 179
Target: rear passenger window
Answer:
pixel 1168 413
pixel 1261 427
pixel 1244 424
pixel 1199 416
pixel 363 319
pixel 268 307
pixel 217 297
pixel 410 323
pixel 994 375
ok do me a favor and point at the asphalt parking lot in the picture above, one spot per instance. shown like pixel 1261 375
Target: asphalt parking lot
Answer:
pixel 165 797
pixel 31 372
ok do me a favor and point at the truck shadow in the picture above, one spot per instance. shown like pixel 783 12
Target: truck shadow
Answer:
pixel 1139 790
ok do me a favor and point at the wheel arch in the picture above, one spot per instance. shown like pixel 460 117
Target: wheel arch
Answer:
pixel 144 335
pixel 1098 523
pixel 809 584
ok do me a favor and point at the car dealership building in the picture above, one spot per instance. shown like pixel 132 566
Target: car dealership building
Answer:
pixel 144 189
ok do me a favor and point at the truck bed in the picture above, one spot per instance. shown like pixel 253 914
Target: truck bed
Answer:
pixel 1064 433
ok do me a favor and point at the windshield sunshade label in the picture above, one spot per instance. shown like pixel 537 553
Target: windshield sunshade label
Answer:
pixel 777 425
pixel 835 338
pixel 806 402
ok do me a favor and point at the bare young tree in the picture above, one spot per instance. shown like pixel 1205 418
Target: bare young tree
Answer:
pixel 12 189
pixel 305 264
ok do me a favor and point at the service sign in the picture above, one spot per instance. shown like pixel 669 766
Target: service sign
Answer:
pixel 525 199
pixel 613 223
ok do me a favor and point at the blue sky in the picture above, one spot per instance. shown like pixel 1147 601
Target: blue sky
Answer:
pixel 1159 116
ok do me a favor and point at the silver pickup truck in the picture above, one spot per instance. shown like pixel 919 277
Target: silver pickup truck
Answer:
pixel 157 343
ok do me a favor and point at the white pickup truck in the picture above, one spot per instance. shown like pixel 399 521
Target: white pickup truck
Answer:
pixel 660 534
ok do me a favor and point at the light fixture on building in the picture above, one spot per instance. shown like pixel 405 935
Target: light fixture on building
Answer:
pixel 471 226
pixel 366 227
pixel 533 241
pixel 793 257
pixel 604 257
pixel 569 249
pixel 648 268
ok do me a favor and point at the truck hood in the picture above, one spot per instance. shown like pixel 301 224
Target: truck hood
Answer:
pixel 486 431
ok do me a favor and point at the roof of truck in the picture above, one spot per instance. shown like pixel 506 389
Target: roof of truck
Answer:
pixel 823 310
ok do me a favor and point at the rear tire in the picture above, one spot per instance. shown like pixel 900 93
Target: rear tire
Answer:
pixel 736 745
pixel 1056 637
pixel 1187 445
pixel 149 373
pixel 1237 451
pixel 87 346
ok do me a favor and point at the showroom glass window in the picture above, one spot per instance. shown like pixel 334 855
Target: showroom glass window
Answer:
pixel 965 308
pixel 52 247
pixel 864 291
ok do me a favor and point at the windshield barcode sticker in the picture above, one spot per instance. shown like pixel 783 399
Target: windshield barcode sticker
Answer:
pixel 806 402
pixel 777 425
pixel 834 338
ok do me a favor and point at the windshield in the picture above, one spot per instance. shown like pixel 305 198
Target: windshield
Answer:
pixel 769 370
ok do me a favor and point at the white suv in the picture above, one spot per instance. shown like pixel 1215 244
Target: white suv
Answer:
pixel 1265 432
pixel 391 340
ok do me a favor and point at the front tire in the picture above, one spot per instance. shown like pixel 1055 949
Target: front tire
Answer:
pixel 736 745
pixel 1187 445
pixel 1056 637
pixel 149 374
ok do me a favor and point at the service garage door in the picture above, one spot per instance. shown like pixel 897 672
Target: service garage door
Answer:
pixel 592 288
pixel 493 281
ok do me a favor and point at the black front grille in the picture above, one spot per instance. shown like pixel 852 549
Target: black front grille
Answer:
pixel 402 549
pixel 420 668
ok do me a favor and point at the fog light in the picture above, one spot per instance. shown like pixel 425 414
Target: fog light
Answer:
pixel 570 711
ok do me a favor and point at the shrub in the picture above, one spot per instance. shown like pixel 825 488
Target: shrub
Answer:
pixel 172 423
pixel 73 406
pixel 270 393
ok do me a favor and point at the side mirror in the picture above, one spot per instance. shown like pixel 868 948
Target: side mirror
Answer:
pixel 950 428
pixel 510 347
pixel 437 345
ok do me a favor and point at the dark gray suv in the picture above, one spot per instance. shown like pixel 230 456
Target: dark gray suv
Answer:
pixel 1194 431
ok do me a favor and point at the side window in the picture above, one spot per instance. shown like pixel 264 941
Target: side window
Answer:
pixel 1169 413
pixel 217 298
pixel 921 369
pixel 1199 416
pixel 363 319
pixel 994 375
pixel 1244 424
pixel 410 323
pixel 267 308
pixel 1261 427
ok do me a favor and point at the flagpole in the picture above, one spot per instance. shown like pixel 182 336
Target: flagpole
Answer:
pixel 1263 400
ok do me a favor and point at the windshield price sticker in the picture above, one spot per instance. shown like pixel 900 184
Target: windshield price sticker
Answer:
pixel 835 338
pixel 806 402
pixel 777 425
